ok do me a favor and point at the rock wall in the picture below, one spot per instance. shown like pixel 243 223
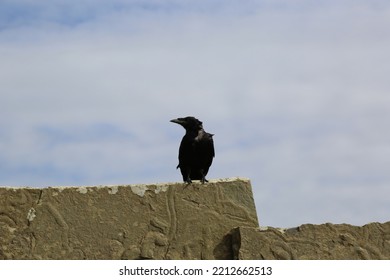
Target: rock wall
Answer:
pixel 216 220
pixel 163 221
pixel 314 242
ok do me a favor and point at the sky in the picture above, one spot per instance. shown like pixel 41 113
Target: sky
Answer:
pixel 297 94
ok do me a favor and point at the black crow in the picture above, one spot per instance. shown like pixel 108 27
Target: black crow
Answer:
pixel 196 150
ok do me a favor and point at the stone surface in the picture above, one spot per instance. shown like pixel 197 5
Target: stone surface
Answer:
pixel 313 242
pixel 163 221
pixel 216 220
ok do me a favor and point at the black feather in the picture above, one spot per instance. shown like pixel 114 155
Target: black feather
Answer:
pixel 196 150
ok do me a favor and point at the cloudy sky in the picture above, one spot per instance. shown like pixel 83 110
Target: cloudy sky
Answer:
pixel 297 94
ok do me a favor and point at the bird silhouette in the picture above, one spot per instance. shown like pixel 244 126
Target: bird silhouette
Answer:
pixel 196 150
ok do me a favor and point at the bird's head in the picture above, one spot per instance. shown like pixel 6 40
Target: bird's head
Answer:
pixel 189 123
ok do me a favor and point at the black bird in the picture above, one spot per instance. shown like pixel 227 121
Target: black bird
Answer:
pixel 196 150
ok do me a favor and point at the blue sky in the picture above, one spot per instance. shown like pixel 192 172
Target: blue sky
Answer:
pixel 296 93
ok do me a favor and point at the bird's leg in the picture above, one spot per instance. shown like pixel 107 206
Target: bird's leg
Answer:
pixel 203 180
pixel 188 180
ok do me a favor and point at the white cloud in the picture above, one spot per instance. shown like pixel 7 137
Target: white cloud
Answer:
pixel 295 94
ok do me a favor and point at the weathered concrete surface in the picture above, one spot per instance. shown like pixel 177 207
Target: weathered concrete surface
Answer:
pixel 308 242
pixel 163 221
pixel 167 221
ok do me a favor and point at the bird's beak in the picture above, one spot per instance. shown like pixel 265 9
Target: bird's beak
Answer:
pixel 178 121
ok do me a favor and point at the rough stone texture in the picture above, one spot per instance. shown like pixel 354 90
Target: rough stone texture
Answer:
pixel 308 242
pixel 163 221
pixel 216 220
